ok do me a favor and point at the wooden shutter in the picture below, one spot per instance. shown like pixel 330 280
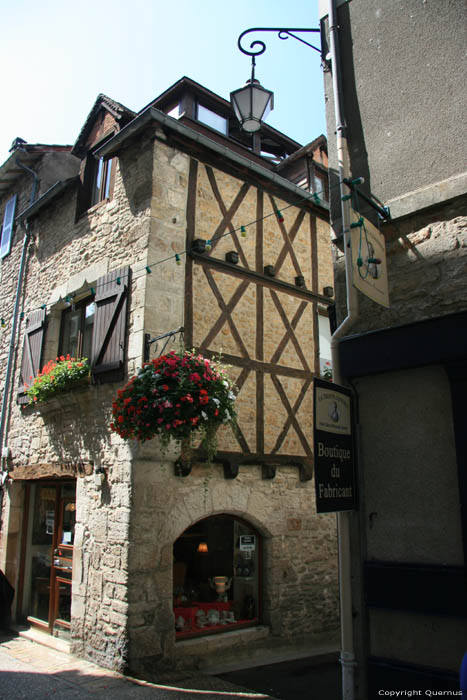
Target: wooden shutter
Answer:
pixel 110 322
pixel 86 185
pixel 32 352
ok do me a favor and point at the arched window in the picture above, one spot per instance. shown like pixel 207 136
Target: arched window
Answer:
pixel 217 576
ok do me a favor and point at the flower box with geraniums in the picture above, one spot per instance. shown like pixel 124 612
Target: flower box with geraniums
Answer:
pixel 177 396
pixel 326 372
pixel 58 378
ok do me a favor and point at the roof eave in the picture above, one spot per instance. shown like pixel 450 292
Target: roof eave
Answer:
pixel 152 115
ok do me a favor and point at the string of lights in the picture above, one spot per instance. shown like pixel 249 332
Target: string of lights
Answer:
pixel 176 257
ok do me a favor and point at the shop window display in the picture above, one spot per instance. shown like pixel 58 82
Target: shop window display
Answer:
pixel 216 577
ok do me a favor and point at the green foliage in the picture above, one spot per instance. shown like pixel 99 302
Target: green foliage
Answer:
pixel 174 397
pixel 57 377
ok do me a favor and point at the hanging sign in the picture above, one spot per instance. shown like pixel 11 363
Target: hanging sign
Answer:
pixel 333 448
pixel 369 268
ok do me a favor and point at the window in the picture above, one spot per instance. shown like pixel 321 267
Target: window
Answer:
pixel 324 346
pixel 97 178
pixel 212 119
pixel 95 328
pixel 77 327
pixel 321 186
pixel 175 111
pixel 216 577
pixel 102 180
pixel 7 230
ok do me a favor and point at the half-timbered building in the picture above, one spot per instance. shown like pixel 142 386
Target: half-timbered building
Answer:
pixel 167 225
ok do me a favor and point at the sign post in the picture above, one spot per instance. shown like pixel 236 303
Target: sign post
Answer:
pixel 334 449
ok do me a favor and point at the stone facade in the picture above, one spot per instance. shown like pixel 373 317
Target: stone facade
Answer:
pixel 426 261
pixel 122 591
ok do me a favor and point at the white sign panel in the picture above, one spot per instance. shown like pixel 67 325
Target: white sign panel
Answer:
pixel 247 543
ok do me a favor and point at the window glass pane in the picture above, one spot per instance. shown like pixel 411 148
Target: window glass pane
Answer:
pixel 71 324
pixel 97 189
pixel 40 549
pixel 174 112
pixel 320 187
pixel 89 313
pixel 212 119
pixel 108 168
pixel 216 577
pixel 7 229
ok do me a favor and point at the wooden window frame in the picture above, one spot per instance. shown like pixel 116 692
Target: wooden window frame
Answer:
pixel 109 334
pixel 107 177
pixel 89 195
pixel 81 305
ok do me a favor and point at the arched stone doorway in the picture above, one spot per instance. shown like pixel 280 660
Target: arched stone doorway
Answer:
pixel 217 576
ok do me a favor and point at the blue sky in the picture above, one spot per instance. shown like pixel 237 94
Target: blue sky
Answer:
pixel 57 56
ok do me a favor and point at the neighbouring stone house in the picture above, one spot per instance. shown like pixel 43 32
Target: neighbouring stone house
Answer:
pixel 113 544
pixel 406 364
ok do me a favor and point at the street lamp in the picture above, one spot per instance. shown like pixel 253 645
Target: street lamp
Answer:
pixel 252 103
pixel 347 656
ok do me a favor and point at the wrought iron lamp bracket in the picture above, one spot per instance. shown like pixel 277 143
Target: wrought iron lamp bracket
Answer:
pixel 282 32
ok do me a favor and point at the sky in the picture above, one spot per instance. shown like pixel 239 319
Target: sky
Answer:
pixel 57 56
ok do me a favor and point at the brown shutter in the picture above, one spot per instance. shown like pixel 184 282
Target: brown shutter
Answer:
pixel 86 185
pixel 32 352
pixel 109 334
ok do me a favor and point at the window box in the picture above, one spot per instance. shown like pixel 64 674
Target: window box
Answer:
pixel 61 402
pixel 104 342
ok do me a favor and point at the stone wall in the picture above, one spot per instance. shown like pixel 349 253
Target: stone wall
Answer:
pixel 125 529
pixel 300 595
pixel 67 256
pixel 426 257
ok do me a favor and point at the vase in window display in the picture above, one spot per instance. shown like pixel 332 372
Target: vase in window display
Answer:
pixel 221 584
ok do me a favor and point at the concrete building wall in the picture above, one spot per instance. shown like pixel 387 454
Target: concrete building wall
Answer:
pixel 404 91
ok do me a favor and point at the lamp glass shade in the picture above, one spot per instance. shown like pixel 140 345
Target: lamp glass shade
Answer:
pixel 203 548
pixel 251 104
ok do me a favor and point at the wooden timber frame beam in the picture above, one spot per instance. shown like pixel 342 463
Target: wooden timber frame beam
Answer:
pixel 262 280
pixel 243 172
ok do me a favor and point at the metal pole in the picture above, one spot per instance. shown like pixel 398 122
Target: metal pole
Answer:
pixel 347 656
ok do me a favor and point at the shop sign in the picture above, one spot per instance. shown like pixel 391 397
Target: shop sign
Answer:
pixel 369 267
pixel 333 448
pixel 247 543
pixel 52 471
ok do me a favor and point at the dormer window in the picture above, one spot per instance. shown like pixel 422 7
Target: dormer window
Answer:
pixel 175 111
pixel 212 119
pixel 97 182
pixel 102 180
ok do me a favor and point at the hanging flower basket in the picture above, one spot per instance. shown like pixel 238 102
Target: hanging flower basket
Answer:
pixel 58 377
pixel 175 397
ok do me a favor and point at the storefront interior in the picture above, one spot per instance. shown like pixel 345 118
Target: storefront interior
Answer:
pixel 44 599
pixel 216 577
